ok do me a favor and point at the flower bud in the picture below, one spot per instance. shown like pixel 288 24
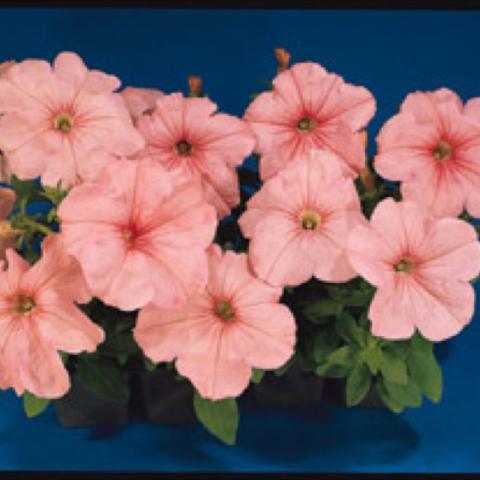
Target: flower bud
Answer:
pixel 367 177
pixel 364 138
pixel 283 59
pixel 5 66
pixel 8 237
pixel 195 85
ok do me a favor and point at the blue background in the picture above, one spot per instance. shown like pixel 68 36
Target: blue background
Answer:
pixel 390 52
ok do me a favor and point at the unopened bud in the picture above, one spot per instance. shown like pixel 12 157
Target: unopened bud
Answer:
pixel 283 59
pixel 7 200
pixel 367 177
pixel 195 85
pixel 364 138
pixel 5 66
pixel 8 237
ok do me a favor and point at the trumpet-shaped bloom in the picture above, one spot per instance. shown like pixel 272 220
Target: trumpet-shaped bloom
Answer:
pixel 421 265
pixel 140 100
pixel 433 147
pixel 140 234
pixel 57 115
pixel 38 318
pixel 310 108
pixel 186 134
pixel 299 220
pixel 235 324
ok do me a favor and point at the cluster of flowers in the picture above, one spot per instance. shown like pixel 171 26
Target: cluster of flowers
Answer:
pixel 148 176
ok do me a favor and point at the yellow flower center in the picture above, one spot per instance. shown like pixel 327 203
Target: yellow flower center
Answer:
pixel 24 305
pixel 183 148
pixel 225 311
pixel 306 124
pixel 443 151
pixel 309 220
pixel 63 122
pixel 405 265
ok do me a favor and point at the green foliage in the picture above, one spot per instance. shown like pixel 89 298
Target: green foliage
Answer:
pixel 103 378
pixel 219 417
pixel 257 375
pixel 358 384
pixel 34 406
pixel 340 345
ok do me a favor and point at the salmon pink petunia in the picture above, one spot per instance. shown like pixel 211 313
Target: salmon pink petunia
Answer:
pixel 433 147
pixel 140 234
pixel 140 100
pixel 57 116
pixel 186 134
pixel 38 319
pixel 298 222
pixel 421 265
pixel 235 324
pixel 310 108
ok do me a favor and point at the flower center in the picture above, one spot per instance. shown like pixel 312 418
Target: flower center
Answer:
pixel 129 234
pixel 309 220
pixel 306 124
pixel 225 311
pixel 183 148
pixel 63 122
pixel 443 151
pixel 405 265
pixel 24 305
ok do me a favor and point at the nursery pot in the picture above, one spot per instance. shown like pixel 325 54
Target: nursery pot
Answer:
pixel 335 390
pixel 161 399
pixel 80 408
pixel 294 389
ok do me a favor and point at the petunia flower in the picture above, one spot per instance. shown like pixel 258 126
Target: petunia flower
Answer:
pixel 140 101
pixel 310 108
pixel 433 147
pixel 140 234
pixel 299 220
pixel 38 318
pixel 57 117
pixel 421 266
pixel 235 324
pixel 186 134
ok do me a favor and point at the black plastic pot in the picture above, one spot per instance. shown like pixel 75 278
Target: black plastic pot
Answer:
pixel 161 399
pixel 335 390
pixel 80 408
pixel 293 389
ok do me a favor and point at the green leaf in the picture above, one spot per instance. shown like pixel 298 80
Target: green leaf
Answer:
pixel 317 311
pixel 219 417
pixel 103 378
pixel 348 329
pixel 257 375
pixel 373 357
pixel 345 355
pixel 120 344
pixel 426 372
pixel 149 365
pixel 419 343
pixel 393 368
pixel 333 371
pixel 409 395
pixel 323 344
pixel 33 405
pixel 281 370
pixel 357 298
pixel 390 402
pixel 358 384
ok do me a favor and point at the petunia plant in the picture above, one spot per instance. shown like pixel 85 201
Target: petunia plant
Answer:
pixel 163 257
